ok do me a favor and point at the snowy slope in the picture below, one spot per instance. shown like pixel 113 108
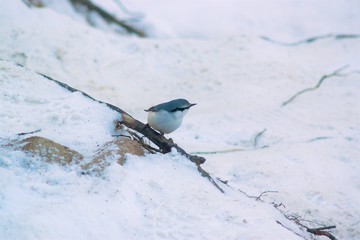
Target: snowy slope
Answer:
pixel 280 19
pixel 309 152
pixel 153 197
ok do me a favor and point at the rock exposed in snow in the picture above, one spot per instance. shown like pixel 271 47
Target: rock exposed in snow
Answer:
pixel 49 151
pixel 117 148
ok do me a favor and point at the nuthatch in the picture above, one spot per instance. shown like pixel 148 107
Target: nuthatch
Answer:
pixel 167 117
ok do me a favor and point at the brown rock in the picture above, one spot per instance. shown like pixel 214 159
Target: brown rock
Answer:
pixel 53 152
pixel 50 151
pixel 114 149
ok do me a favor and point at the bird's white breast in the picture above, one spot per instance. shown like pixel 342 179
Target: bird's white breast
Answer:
pixel 164 121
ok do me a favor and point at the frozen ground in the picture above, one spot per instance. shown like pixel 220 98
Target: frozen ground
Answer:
pixel 309 152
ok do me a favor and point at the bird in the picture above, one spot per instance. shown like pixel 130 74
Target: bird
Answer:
pixel 167 117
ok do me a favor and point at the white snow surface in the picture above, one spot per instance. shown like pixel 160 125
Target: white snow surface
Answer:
pixel 287 20
pixel 309 153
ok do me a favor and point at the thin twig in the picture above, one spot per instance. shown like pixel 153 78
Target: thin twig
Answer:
pixel 296 219
pixel 257 136
pixel 26 133
pixel 229 150
pixel 311 39
pixel 318 139
pixel 208 176
pixel 257 198
pixel 346 36
pixel 221 151
pixel 278 205
pixel 255 143
pixel 121 135
pixel 139 139
pixel 316 231
pixel 322 79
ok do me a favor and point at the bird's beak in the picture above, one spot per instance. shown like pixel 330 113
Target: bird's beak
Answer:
pixel 150 110
pixel 192 104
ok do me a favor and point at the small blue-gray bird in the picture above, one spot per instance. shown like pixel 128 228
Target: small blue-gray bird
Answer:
pixel 167 117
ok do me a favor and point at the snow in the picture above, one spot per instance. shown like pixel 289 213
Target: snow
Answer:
pixel 58 112
pixel 309 152
pixel 280 19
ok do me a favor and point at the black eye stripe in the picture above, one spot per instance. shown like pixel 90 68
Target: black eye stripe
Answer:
pixel 180 109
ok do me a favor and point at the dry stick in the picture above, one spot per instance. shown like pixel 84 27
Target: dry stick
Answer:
pixel 229 150
pixel 257 136
pixel 316 231
pixel 208 176
pixel 312 39
pixel 257 198
pixel 26 133
pixel 164 144
pixel 221 151
pixel 320 232
pixel 322 79
pixel 107 17
pixel 256 139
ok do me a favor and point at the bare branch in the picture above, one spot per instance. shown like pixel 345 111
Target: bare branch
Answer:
pixel 228 150
pixel 278 205
pixel 257 136
pixel 311 39
pixel 257 198
pixel 90 6
pixel 346 36
pixel 322 79
pixel 318 139
pixel 26 133
pixel 321 233
pixel 255 143
pixel 323 228
pixel 208 176
pixel 316 231
pixel 221 151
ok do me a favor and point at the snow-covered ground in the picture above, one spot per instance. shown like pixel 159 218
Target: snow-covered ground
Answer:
pixel 309 153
